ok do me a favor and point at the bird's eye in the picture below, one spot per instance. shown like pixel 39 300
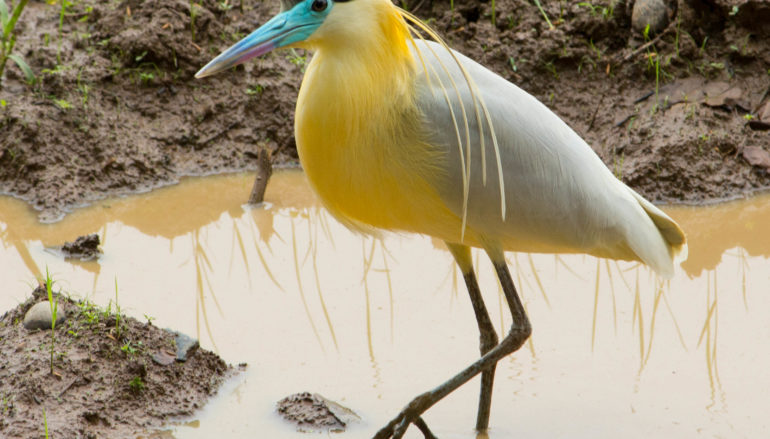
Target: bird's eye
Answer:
pixel 319 5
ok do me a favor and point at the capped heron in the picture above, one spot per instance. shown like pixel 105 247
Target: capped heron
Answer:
pixel 399 133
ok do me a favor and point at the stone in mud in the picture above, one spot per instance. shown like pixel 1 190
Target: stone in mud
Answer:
pixel 185 345
pixel 311 412
pixel 85 248
pixel 649 12
pixel 757 157
pixel 762 121
pixel 163 358
pixel 40 316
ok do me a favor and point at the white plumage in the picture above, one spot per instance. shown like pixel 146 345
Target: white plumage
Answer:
pixel 559 195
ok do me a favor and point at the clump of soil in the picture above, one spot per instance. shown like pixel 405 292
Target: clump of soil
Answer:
pixel 85 248
pixel 104 381
pixel 311 412
pixel 116 109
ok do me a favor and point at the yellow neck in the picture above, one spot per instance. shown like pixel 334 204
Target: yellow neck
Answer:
pixel 356 126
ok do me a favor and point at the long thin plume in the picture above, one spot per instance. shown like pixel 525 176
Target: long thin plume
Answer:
pixel 478 101
pixel 465 157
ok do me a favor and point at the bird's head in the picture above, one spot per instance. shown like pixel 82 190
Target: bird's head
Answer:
pixel 307 24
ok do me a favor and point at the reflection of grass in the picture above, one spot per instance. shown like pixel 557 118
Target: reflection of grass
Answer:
pixel 202 264
pixel 299 284
pixel 709 333
pixel 637 313
pixel 314 245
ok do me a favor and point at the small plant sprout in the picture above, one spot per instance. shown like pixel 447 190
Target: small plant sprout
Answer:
pixel 657 82
pixel 63 5
pixel 63 104
pixel 254 90
pixel 193 16
pixel 136 385
pixel 8 21
pixel 493 12
pixel 54 303
pixel 146 77
pixel 128 349
pixel 45 423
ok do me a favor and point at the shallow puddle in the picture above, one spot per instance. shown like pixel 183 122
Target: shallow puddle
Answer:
pixel 372 323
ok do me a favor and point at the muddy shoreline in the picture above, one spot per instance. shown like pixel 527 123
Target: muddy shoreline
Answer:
pixel 103 374
pixel 115 109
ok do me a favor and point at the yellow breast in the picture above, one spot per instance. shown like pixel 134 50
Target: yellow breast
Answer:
pixel 358 138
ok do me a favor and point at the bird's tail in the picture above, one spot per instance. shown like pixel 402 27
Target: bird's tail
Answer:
pixel 673 237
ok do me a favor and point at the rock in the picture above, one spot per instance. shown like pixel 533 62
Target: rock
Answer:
pixel 185 346
pixel 759 125
pixel 163 358
pixel 757 156
pixel 314 413
pixel 762 121
pixel 40 317
pixel 85 248
pixel 649 12
pixel 764 112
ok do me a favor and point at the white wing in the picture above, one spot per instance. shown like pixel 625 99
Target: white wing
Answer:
pixel 559 196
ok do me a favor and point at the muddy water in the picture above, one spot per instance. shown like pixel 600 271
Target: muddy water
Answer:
pixel 371 323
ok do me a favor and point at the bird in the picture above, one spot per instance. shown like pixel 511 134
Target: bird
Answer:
pixel 398 132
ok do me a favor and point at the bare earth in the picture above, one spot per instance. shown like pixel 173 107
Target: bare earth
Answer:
pixel 122 113
pixel 104 381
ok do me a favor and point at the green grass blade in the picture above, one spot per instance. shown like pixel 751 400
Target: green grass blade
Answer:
pixel 3 15
pixel 28 73
pixel 15 16
pixel 540 7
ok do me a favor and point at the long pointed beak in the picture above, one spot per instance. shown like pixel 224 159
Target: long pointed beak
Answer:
pixel 285 28
pixel 257 43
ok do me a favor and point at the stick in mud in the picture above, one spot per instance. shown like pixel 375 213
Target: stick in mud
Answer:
pixel 264 171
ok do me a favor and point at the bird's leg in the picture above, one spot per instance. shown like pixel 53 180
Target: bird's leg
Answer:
pixel 424 429
pixel 488 340
pixel 520 331
pixel 487 334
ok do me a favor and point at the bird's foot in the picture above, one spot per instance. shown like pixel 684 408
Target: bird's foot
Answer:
pixel 396 428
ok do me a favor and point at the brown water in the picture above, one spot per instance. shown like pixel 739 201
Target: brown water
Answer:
pixel 371 323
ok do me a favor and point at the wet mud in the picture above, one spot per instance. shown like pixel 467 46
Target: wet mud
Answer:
pixel 312 413
pixel 104 381
pixel 84 248
pixel 679 116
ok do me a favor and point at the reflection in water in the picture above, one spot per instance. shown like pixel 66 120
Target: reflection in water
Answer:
pixel 709 334
pixel 202 269
pixel 613 325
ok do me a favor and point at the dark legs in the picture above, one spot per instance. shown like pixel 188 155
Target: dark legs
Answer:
pixel 487 334
pixel 520 331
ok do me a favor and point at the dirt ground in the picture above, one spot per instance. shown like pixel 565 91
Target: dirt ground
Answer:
pixel 105 382
pixel 116 110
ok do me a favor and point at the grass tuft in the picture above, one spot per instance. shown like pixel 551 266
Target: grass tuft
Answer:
pixel 8 20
